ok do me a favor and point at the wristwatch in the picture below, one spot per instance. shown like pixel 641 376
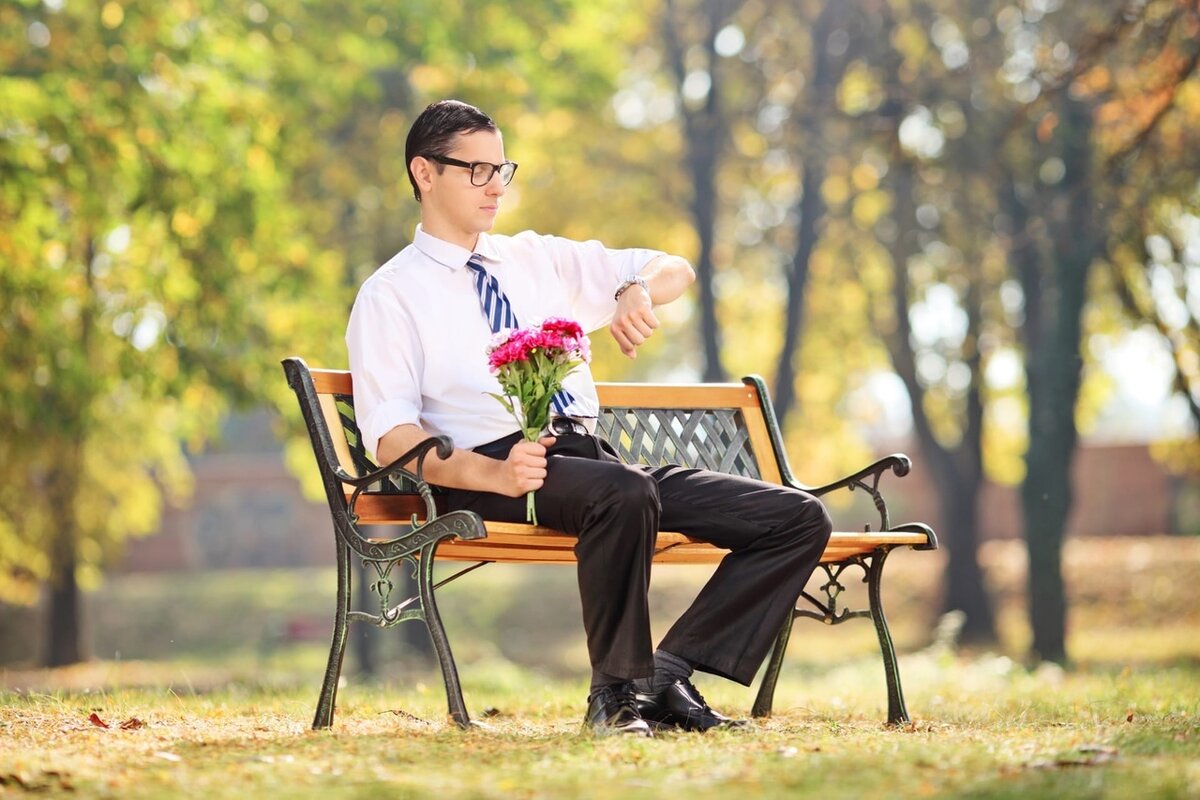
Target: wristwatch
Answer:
pixel 636 280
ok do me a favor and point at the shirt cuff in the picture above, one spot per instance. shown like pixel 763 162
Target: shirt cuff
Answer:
pixel 383 418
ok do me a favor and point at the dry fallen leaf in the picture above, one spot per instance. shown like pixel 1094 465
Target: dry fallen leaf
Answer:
pixel 402 713
pixel 1094 756
pixel 47 780
pixel 131 724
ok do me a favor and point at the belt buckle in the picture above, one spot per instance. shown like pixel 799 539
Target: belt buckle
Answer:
pixel 560 426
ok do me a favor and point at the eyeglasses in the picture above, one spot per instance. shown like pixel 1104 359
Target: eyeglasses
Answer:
pixel 481 171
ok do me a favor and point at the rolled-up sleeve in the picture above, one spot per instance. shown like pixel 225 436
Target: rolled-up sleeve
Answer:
pixel 591 273
pixel 385 362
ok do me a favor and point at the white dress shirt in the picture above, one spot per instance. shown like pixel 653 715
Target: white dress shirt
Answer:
pixel 417 337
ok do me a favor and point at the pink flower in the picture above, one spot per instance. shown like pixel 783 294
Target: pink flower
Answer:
pixel 566 327
pixel 530 365
pixel 559 340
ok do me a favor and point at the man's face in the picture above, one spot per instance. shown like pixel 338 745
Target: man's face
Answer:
pixel 450 202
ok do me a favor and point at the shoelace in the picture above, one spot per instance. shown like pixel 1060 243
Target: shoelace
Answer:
pixel 626 697
pixel 703 703
pixel 623 694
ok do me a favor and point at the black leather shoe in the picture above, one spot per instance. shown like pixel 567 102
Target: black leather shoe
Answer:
pixel 680 705
pixel 612 710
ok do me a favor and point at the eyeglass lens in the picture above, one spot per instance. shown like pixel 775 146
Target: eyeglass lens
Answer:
pixel 482 173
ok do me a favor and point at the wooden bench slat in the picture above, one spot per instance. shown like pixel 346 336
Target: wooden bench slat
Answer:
pixel 668 395
pixel 332 381
pixel 695 554
pixel 637 395
pixel 340 445
pixel 535 555
pixel 506 536
pixel 760 441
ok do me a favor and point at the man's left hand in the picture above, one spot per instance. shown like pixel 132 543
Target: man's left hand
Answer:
pixel 634 321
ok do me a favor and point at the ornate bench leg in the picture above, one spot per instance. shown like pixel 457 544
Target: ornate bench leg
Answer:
pixel 437 632
pixel 337 648
pixel 766 691
pixel 897 712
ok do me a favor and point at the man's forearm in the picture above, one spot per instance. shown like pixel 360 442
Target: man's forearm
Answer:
pixel 463 470
pixel 667 277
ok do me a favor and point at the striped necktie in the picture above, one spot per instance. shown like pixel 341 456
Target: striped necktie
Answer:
pixel 498 312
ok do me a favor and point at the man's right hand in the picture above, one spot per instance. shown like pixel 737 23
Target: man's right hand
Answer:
pixel 525 468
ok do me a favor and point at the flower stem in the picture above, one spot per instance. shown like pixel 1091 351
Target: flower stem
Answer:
pixel 530 510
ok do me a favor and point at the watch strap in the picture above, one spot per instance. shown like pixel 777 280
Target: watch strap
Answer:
pixel 636 280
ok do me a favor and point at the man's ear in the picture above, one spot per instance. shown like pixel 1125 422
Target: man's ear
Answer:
pixel 422 173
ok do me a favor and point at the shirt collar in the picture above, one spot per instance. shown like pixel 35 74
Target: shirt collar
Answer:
pixel 451 255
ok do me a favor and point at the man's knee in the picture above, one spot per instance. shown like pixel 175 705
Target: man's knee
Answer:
pixel 826 521
pixel 623 497
pixel 811 521
pixel 625 513
pixel 633 491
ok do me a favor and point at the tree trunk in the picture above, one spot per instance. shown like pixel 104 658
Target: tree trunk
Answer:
pixel 827 71
pixel 62 634
pixel 812 208
pixel 1046 490
pixel 704 218
pixel 63 628
pixel 63 612
pixel 704 132
pixel 957 473
pixel 1054 311
pixel 965 587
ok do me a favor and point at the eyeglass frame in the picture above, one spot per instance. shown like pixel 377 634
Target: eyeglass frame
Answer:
pixel 471 165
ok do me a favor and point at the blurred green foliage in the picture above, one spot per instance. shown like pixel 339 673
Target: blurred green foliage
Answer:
pixel 191 189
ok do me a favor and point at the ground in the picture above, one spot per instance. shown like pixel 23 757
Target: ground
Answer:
pixel 231 718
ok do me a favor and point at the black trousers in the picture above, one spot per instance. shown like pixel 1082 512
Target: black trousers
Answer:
pixel 775 535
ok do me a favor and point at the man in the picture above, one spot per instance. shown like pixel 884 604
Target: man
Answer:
pixel 417 337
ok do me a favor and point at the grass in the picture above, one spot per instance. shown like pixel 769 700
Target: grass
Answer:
pixel 223 704
pixel 986 728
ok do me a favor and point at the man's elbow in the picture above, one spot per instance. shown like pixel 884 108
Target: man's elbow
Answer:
pixel 396 442
pixel 684 270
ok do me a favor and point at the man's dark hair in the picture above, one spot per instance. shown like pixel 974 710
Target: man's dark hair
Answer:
pixel 433 132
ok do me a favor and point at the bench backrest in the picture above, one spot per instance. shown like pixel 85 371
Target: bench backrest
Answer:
pixel 725 427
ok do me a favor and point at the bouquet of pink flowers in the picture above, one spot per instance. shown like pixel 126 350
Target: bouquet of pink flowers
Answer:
pixel 530 364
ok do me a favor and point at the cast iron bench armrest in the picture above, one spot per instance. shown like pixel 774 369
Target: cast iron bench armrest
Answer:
pixel 897 463
pixel 444 448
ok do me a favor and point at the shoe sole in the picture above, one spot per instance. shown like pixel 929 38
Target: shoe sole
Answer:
pixel 687 726
pixel 604 733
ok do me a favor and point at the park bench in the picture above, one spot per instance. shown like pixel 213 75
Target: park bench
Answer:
pixel 729 427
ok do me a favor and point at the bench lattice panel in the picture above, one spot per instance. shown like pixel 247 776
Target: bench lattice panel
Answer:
pixel 362 462
pixel 714 439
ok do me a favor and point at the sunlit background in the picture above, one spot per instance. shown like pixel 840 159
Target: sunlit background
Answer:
pixel 964 231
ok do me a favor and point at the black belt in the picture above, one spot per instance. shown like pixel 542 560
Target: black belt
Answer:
pixel 561 426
